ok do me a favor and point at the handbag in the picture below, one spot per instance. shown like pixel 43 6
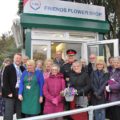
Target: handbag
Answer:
pixel 81 101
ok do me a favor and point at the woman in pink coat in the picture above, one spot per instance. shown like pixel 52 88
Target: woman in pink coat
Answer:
pixel 54 102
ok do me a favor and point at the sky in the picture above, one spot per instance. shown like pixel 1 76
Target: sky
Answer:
pixel 8 12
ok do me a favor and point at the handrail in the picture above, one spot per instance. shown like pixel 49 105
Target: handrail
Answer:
pixel 90 110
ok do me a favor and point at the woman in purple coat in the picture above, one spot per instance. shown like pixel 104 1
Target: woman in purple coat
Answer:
pixel 113 88
pixel 52 88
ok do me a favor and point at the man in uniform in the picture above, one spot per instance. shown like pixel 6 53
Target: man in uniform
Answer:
pixel 66 68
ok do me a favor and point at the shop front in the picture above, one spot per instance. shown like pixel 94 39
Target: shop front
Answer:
pixel 53 25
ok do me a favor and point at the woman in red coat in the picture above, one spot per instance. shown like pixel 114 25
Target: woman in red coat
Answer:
pixel 54 102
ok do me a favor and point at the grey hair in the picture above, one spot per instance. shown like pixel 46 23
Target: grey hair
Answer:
pixel 39 61
pixel 76 62
pixel 57 66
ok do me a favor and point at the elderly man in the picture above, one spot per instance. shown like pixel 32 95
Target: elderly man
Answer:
pixel 58 58
pixel 24 60
pixel 91 65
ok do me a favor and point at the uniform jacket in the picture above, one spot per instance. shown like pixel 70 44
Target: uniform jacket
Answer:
pixel 9 81
pixel 52 88
pixel 66 69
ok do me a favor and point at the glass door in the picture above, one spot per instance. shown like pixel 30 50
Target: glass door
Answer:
pixel 103 49
pixel 63 47
pixel 41 50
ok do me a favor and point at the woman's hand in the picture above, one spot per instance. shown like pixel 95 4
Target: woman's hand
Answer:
pixel 55 101
pixel 107 88
pixel 97 96
pixel 62 93
pixel 20 97
pixel 41 99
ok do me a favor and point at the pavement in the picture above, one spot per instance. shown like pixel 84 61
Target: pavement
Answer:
pixel 1 118
pixel 14 117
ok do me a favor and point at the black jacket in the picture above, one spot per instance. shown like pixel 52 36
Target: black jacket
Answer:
pixel 9 81
pixel 66 69
pixel 81 82
pixel 59 63
pixel 90 69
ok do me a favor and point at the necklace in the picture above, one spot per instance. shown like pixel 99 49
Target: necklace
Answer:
pixel 30 76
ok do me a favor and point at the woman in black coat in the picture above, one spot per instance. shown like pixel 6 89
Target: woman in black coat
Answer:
pixel 80 81
pixel 99 79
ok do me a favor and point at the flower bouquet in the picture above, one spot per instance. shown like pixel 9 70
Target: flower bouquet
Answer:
pixel 69 93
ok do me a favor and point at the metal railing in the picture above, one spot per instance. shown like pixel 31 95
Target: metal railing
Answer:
pixel 90 110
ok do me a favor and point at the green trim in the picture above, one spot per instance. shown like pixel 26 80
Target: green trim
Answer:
pixel 64 23
pixel 28 43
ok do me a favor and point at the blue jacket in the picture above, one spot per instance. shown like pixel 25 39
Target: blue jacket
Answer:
pixel 40 79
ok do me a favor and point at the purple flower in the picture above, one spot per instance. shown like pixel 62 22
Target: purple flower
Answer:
pixel 70 91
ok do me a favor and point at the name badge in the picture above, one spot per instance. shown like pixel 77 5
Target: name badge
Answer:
pixel 28 87
pixel 17 85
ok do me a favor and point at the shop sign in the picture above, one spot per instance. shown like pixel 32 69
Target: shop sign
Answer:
pixel 64 8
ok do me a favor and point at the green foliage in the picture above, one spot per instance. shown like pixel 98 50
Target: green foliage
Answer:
pixel 112 12
pixel 7 47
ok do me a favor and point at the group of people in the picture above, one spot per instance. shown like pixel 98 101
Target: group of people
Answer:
pixel 30 88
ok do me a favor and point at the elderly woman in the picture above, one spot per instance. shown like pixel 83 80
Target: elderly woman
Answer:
pixel 30 90
pixel 6 62
pixel 53 86
pixel 110 67
pixel 39 65
pixel 113 88
pixel 99 79
pixel 80 81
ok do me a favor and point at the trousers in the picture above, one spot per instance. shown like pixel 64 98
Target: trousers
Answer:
pixel 12 106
